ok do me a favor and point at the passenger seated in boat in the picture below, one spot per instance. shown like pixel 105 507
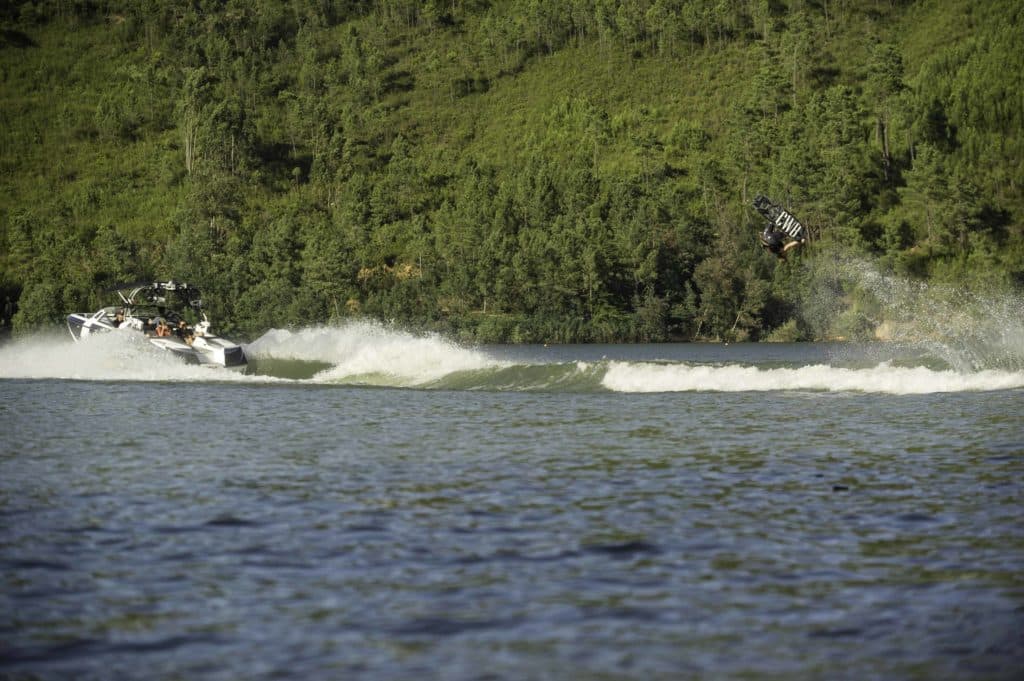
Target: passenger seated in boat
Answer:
pixel 184 332
pixel 118 318
pixel 162 329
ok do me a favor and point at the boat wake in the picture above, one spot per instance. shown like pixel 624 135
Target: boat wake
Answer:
pixel 882 378
pixel 372 354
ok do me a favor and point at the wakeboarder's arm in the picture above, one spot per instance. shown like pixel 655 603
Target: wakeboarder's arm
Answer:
pixel 791 245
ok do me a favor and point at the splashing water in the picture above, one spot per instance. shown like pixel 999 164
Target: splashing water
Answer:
pixel 968 330
pixel 372 354
pixel 115 356
pixel 367 352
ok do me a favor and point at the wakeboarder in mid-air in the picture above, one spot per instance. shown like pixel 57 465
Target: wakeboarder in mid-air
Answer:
pixel 783 232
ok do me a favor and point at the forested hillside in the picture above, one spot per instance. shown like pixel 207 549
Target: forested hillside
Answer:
pixel 515 170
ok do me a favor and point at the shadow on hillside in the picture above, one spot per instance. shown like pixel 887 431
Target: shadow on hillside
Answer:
pixel 11 38
pixel 280 161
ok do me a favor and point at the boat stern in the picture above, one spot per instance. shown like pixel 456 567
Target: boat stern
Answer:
pixel 234 356
pixel 216 351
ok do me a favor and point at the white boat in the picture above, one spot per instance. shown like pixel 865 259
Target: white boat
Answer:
pixel 170 316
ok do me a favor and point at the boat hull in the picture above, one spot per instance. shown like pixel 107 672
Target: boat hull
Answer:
pixel 207 350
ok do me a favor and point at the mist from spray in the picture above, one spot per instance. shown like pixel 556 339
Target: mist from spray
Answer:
pixel 116 356
pixel 966 329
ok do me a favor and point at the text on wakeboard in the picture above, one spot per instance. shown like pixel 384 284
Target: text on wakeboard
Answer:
pixel 789 224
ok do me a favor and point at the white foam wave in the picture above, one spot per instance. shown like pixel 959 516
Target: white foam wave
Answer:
pixel 371 352
pixel 113 356
pixel 650 377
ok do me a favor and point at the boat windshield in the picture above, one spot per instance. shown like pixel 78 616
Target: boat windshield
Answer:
pixel 147 313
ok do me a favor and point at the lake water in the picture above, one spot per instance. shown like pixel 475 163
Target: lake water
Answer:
pixel 368 504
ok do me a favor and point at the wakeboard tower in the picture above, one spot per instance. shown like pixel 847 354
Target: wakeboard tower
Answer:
pixel 783 232
pixel 157 310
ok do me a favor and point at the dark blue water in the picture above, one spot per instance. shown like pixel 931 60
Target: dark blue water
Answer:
pixel 199 527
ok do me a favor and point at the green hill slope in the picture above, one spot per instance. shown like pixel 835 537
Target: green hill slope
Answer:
pixel 508 170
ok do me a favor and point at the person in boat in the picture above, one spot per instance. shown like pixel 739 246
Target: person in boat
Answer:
pixel 775 242
pixel 184 333
pixel 162 329
pixel 118 318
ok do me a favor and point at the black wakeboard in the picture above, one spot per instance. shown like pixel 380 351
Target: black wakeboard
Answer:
pixel 783 220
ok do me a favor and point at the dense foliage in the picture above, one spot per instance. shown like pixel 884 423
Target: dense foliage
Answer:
pixel 521 170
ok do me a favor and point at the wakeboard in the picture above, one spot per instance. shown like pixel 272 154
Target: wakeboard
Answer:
pixel 783 220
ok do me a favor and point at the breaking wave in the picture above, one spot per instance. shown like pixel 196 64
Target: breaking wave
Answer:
pixel 883 378
pixel 370 353
pixel 373 354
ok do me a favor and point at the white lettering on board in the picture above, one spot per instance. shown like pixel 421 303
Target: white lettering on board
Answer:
pixel 788 224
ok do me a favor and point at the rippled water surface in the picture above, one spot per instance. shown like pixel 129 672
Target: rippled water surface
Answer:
pixel 403 508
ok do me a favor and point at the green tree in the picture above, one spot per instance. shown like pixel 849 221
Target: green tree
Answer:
pixel 884 85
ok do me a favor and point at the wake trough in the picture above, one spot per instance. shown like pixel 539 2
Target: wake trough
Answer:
pixel 372 354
